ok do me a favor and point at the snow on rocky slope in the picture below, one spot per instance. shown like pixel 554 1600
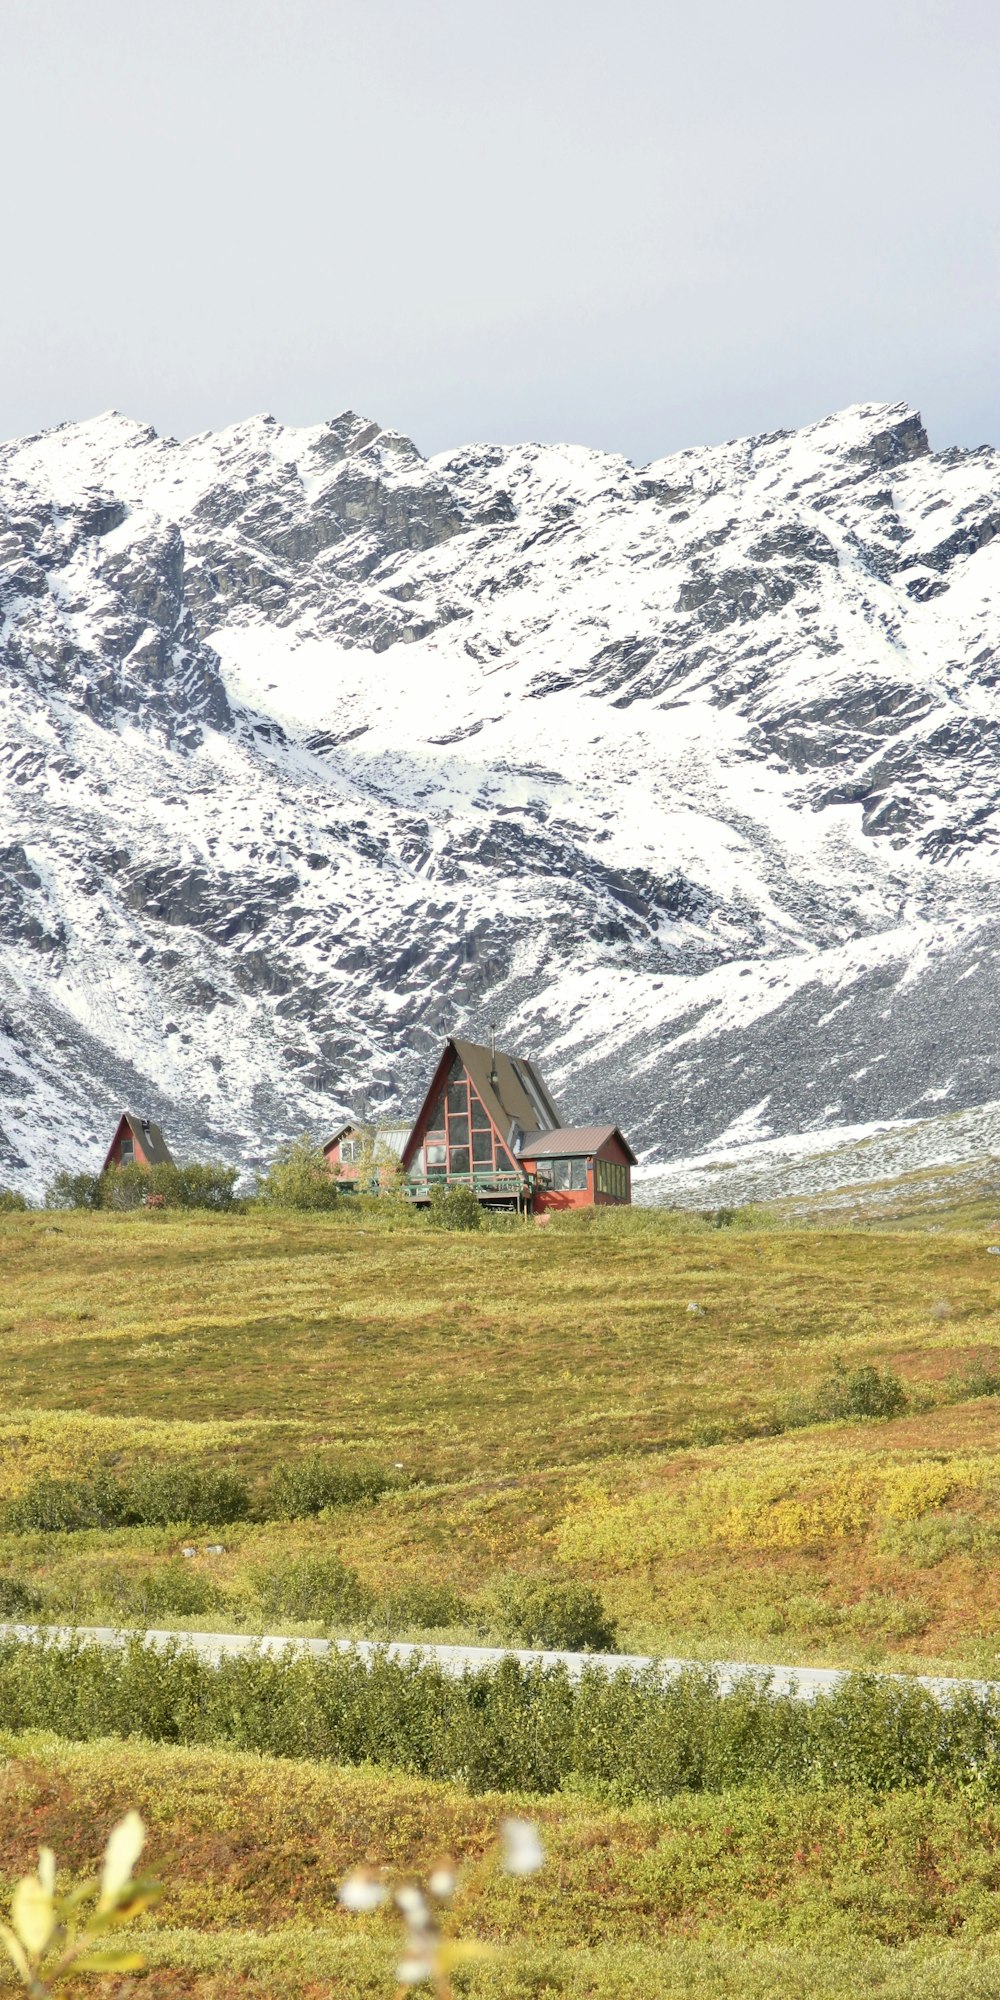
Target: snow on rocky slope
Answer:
pixel 312 749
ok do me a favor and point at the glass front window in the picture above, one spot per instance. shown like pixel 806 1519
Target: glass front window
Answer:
pixel 482 1148
pixel 436 1156
pixel 458 1160
pixel 565 1176
pixel 350 1151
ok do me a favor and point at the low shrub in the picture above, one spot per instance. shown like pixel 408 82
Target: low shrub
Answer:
pixel 308 1485
pixel 312 1590
pixel 418 1607
pixel 299 1178
pixel 866 1392
pixel 74 1191
pixel 454 1207
pixel 148 1497
pixel 18 1599
pixel 199 1185
pixel 173 1590
pixel 530 1728
pixel 567 1617
pixel 11 1202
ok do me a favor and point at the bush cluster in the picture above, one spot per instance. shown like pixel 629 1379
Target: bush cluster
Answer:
pixel 148 1497
pixel 858 1392
pixel 305 1486
pixel 454 1207
pixel 298 1178
pixel 564 1617
pixel 11 1202
pixel 124 1188
pixel 512 1728
pixel 160 1496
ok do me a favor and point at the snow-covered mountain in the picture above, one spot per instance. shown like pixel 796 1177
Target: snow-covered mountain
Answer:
pixel 312 749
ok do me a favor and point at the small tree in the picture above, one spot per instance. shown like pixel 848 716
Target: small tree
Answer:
pixel 12 1203
pixel 74 1191
pixel 299 1178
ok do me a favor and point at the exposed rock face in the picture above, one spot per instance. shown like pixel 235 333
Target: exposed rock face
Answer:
pixel 312 749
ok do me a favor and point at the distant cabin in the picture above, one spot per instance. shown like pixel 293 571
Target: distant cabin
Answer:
pixel 489 1123
pixel 348 1148
pixel 137 1142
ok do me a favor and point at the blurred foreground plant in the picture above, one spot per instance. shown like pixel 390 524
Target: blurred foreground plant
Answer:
pixel 429 1956
pixel 51 1938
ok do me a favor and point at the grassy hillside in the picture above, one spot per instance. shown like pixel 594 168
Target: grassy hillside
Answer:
pixel 744 1896
pixel 556 1407
pixel 634 1402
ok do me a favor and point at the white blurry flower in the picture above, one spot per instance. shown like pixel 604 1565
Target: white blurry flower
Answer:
pixel 523 1853
pixel 443 1880
pixel 47 1870
pixel 361 1890
pixel 125 1844
pixel 413 1904
pixel 414 1971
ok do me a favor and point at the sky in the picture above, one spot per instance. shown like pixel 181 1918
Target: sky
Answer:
pixel 635 224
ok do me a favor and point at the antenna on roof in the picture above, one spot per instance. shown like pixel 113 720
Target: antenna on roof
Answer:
pixel 493 1055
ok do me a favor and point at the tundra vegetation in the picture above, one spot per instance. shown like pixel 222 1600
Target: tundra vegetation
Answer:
pixel 360 1422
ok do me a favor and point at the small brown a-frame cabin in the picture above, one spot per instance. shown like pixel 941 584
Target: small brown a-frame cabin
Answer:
pixel 137 1142
pixel 489 1123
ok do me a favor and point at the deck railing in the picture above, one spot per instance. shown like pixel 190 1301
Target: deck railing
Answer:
pixel 483 1181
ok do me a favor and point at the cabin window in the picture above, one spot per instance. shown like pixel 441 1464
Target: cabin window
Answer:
pixel 459 1161
pixel 350 1150
pixel 458 1097
pixel 481 1120
pixel 458 1130
pixel 482 1147
pixel 612 1179
pixel 127 1150
pixel 504 1161
pixel 436 1156
pixel 565 1176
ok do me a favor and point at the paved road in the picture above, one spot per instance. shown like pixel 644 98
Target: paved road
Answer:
pixel 804 1683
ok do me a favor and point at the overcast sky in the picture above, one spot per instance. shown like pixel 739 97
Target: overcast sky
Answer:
pixel 630 223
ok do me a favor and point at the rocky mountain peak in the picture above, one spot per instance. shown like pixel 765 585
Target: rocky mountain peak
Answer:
pixel 313 749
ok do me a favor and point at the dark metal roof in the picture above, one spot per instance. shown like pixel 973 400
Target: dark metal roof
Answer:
pixel 510 1087
pixel 149 1137
pixel 517 1097
pixel 570 1141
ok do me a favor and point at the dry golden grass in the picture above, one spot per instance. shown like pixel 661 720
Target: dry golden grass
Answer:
pixel 553 1399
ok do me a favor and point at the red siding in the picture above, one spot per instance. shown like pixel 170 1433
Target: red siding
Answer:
pixel 347 1169
pixel 114 1158
pixel 592 1196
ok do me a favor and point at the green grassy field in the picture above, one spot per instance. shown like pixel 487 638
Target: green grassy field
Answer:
pixel 556 1410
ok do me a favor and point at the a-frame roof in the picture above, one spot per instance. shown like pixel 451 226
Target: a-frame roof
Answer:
pixel 147 1136
pixel 510 1087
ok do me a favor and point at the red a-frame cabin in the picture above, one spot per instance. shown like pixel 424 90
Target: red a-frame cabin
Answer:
pixel 489 1123
pixel 137 1142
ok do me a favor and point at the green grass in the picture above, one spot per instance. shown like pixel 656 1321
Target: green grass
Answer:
pixel 557 1412
pixel 555 1409
pixel 736 1895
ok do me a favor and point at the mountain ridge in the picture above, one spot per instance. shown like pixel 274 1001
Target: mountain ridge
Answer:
pixel 313 749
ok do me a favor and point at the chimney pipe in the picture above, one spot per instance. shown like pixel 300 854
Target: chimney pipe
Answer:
pixel 493 1054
